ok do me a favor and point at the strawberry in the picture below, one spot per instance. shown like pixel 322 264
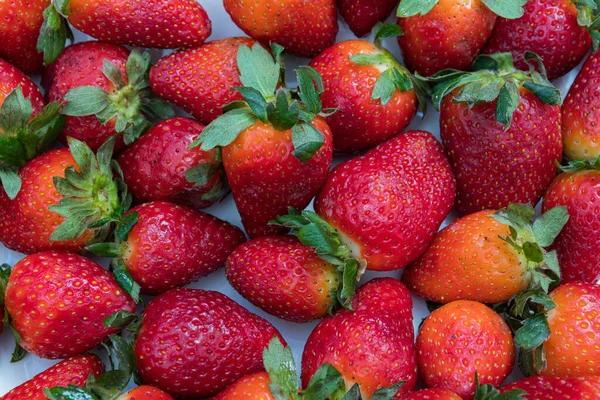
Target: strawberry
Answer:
pixel 160 166
pixel 251 387
pixel 277 150
pixel 432 394
pixel 443 34
pixel 551 388
pixel 375 96
pixel 581 136
pixel 460 339
pixel 58 301
pixel 501 130
pixel 146 393
pixel 201 80
pixel 489 257
pixel 363 15
pixel 550 29
pixel 408 179
pixel 304 29
pixel 106 91
pixel 164 246
pixel 195 343
pixel 372 346
pixel 72 371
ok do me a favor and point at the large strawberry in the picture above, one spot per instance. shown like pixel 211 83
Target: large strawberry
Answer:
pixel 160 166
pixel 489 257
pixel 372 346
pixel 195 343
pixel 363 15
pixel 277 150
pixel 406 179
pixel 375 97
pixel 106 90
pixel 462 339
pixel 501 130
pixel 551 388
pixel 201 80
pixel 441 34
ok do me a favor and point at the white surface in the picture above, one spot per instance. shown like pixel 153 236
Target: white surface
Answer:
pixel 12 375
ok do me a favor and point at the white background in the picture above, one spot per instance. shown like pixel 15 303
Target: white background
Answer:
pixel 12 375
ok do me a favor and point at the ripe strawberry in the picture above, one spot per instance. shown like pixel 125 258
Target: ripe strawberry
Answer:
pixel 201 80
pixel 551 388
pixel 164 246
pixel 371 346
pixel 549 29
pixel 72 371
pixel 195 343
pixel 160 166
pixel 489 257
pixel 277 150
pixel 363 15
pixel 304 29
pixel 145 393
pixel 432 394
pixel 106 91
pixel 406 179
pixel 375 96
pixel 501 130
pixel 11 78
pixel 460 339
pixel 443 34
pixel 251 387
pixel 57 303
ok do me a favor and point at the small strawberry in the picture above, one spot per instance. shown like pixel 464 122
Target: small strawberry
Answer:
pixel 195 343
pixel 489 257
pixel 432 394
pixel 551 388
pixel 107 93
pixel 408 179
pixel 72 371
pixel 442 34
pixel 363 15
pixel 372 346
pixel 252 387
pixel 460 339
pixel 145 393
pixel 160 166
pixel 304 29
pixel 501 130
pixel 201 80
pixel 375 97
pixel 277 147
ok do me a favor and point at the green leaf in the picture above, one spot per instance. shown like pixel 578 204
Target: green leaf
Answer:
pixel 225 129
pixel 551 262
pixel 69 393
pixel 258 69
pixel 371 59
pixel 113 73
pixel 384 87
pixel 484 90
pixel 387 393
pixel 547 227
pixel 383 31
pixel 350 275
pixel 280 365
pixel 138 67
pixel 533 252
pixel 125 226
pixel 119 319
pixel 489 392
pixel 530 362
pixel 122 352
pixel 307 78
pixel 63 7
pixel 256 101
pixel 282 114
pixel 307 141
pixel 124 279
pixel 201 174
pixel 546 94
pixel 409 8
pixel 324 383
pixel 53 34
pixel 16 111
pixel 534 332
pixel 509 9
pixel 519 216
pixel 18 353
pixel 109 385
pixel 353 393
pixel 11 181
pixel 111 250
pixel 85 100
pixel 508 101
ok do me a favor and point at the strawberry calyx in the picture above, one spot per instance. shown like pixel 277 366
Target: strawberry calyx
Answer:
pixel 55 30
pixel 581 165
pixel 315 232
pixel 489 392
pixel 23 136
pixel 509 9
pixel 588 17
pixel 19 352
pixel 130 103
pixel 201 174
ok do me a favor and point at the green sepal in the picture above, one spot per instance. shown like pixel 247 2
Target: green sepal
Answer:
pixel 279 364
pixel 307 141
pixel 5 271
pixel 125 225
pixel 258 69
pixel 55 31
pixel 382 31
pixel 531 362
pixel 283 113
pixel 547 227
pixel 11 181
pixel 19 352
pixel 119 319
pixel 311 88
pixel 68 393
pixel 201 174
pixel 256 102
pixel 111 250
pixel 489 392
pixel 409 8
pixel 509 9
pixel 534 332
pixel 353 393
pixel 387 393
pixel 324 383
pixel 581 165
pixel 588 17
pixel 125 280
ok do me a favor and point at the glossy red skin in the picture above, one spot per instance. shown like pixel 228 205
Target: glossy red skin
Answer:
pixel 145 393
pixel 494 167
pixel 195 343
pixel 551 388
pixel 201 80
pixel 165 24
pixel 11 78
pixel 372 346
pixel 284 278
pixel 549 28
pixel 58 302
pixel 578 243
pixel 72 371
pixel 303 28
pixel 19 31
pixel 172 245
pixel 360 122
pixel 432 394
pixel 154 167
pixel 266 178
pixel 251 387
pixel 78 65
pixel 363 15
pixel 459 339
pixel 390 202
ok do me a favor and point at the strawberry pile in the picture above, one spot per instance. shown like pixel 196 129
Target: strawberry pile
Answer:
pixel 112 171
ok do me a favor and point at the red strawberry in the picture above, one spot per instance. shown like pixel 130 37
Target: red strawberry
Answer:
pixel 375 96
pixel 145 393
pixel 251 387
pixel 160 166
pixel 11 78
pixel 58 301
pixel 550 29
pixel 501 130
pixel 550 388
pixel 363 15
pixel 304 29
pixel 72 371
pixel 461 339
pixel 432 394
pixel 371 346
pixel 195 343
pixel 106 90
pixel 201 80
pixel 406 179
